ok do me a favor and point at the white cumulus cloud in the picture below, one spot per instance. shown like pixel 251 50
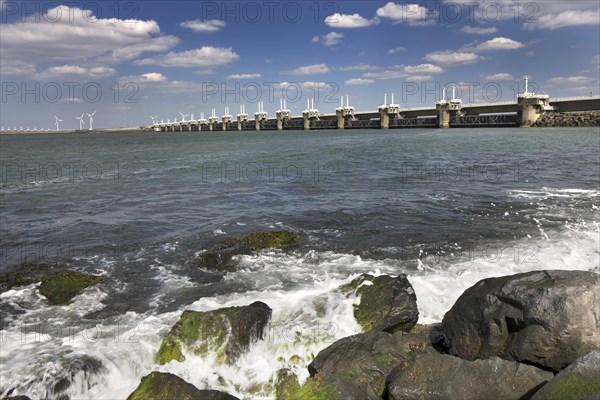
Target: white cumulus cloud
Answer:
pixel 559 80
pixel 69 34
pixel 499 43
pixel 206 56
pixel 330 39
pixel 359 81
pixel 355 20
pixel 500 77
pixel 423 69
pixel 449 57
pixel 212 25
pixel 478 31
pixel 396 50
pixel 243 76
pixel 412 14
pixel 565 18
pixel 77 72
pixel 310 70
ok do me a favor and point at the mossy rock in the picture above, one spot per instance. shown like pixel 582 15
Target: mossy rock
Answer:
pixel 226 255
pixel 580 380
pixel 257 241
pixel 316 389
pixel 286 384
pixel 226 331
pixel 357 366
pixel 386 303
pixel 26 274
pixel 165 386
pixel 61 287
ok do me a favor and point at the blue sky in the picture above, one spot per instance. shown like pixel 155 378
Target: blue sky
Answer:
pixel 130 60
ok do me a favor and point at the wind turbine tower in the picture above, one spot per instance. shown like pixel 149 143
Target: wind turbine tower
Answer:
pixel 91 119
pixel 81 123
pixel 57 121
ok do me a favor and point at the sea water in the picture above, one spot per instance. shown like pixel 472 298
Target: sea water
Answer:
pixel 445 207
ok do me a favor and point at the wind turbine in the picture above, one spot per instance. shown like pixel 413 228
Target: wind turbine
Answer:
pixel 57 121
pixel 91 118
pixel 183 116
pixel 153 119
pixel 81 123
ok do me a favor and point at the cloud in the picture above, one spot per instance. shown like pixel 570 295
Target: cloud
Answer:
pixel 80 36
pixel 243 76
pixel 565 18
pixel 330 39
pixel 206 56
pixel 338 20
pixel 499 43
pixel 478 31
pixel 385 75
pixel 268 61
pixel 154 77
pixel 423 69
pixel 396 50
pixel 359 67
pixel 77 72
pixel 412 14
pixel 469 54
pixel 500 77
pixel 449 57
pixel 212 25
pixel 303 85
pixel 569 80
pixel 419 78
pixel 359 81
pixel 310 70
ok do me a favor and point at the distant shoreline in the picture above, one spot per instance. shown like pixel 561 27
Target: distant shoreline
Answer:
pixel 102 130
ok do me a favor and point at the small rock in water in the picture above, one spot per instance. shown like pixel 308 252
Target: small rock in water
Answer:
pixel 226 331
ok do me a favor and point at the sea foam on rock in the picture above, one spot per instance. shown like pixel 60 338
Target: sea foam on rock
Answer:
pixel 225 332
pixel 386 303
pixel 58 284
pixel 226 255
pixel 165 386
pixel 543 318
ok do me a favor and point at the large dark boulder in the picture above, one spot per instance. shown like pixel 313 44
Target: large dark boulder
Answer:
pixel 544 318
pixel 227 332
pixel 442 377
pixel 356 367
pixel 226 256
pixel 386 303
pixel 165 386
pixel 579 381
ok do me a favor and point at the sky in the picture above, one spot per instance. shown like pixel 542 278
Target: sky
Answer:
pixel 129 61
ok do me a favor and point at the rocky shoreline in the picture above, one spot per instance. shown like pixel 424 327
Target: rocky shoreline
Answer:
pixel 532 335
pixel 568 119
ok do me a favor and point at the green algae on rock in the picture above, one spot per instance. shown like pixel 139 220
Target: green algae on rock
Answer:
pixel 386 303
pixel 61 287
pixel 227 332
pixel 226 255
pixel 286 384
pixel 58 284
pixel 27 273
pixel 165 386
